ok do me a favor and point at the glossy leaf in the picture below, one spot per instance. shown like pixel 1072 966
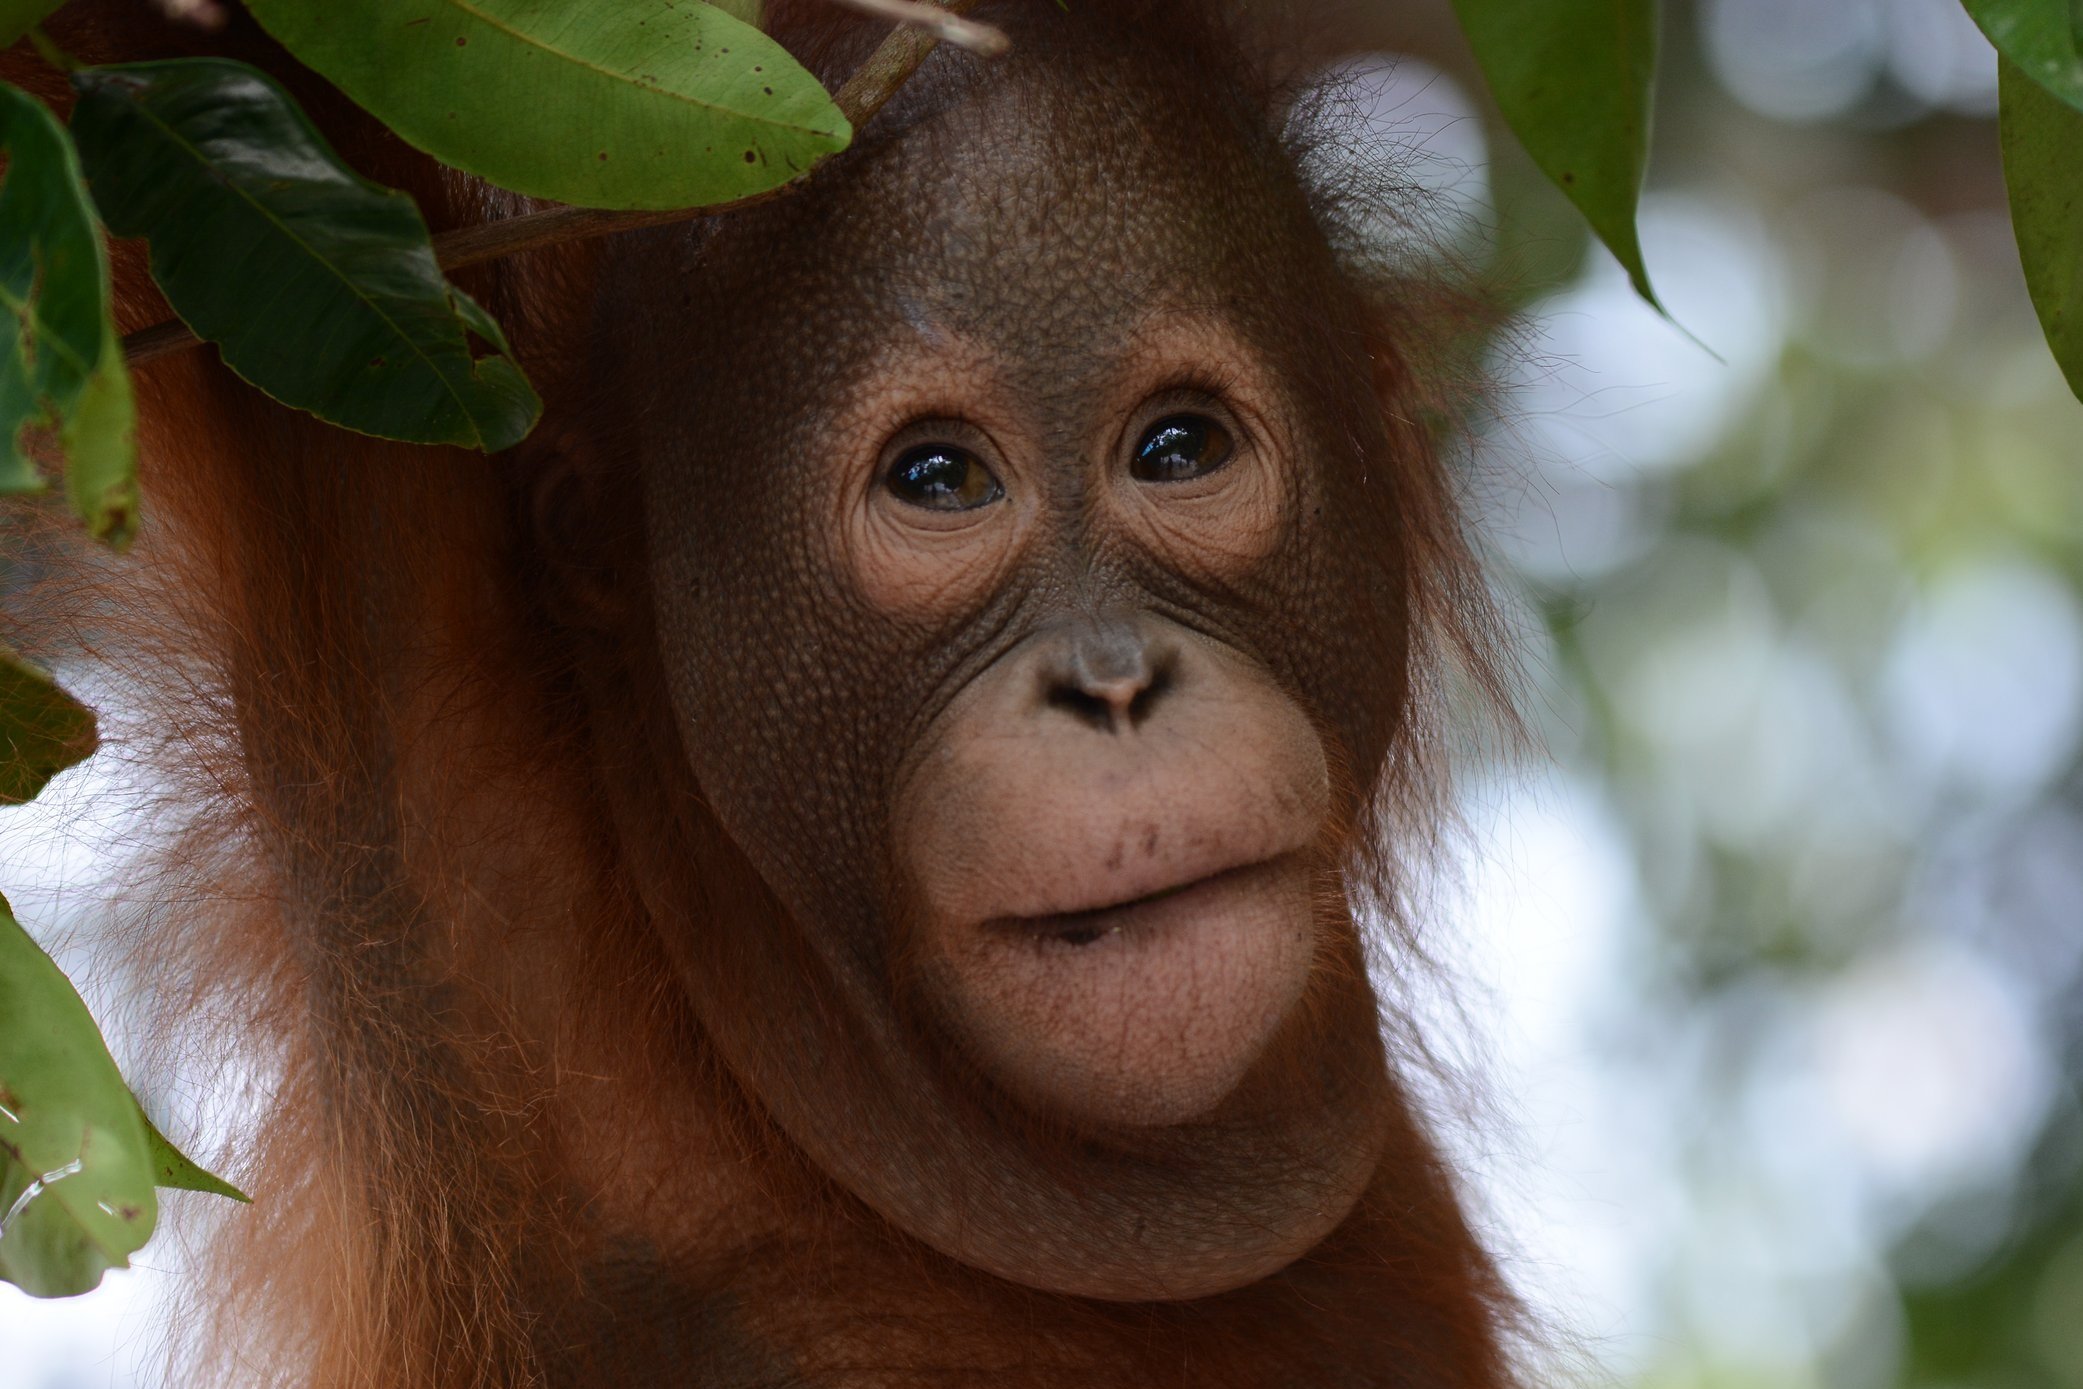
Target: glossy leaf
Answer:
pixel 18 17
pixel 53 280
pixel 76 1194
pixel 2039 37
pixel 318 286
pixel 2042 140
pixel 43 730
pixel 101 451
pixel 616 103
pixel 1573 80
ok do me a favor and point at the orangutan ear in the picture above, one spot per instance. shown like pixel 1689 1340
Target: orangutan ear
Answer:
pixel 588 561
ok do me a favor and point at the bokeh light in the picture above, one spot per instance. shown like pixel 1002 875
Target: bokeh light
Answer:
pixel 1774 954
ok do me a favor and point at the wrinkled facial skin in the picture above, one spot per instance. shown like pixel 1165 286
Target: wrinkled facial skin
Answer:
pixel 1007 506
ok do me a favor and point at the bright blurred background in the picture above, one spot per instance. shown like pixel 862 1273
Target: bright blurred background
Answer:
pixel 1772 957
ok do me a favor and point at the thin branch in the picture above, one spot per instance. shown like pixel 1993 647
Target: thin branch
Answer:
pixel 877 79
pixel 158 340
pixel 937 21
pixel 50 52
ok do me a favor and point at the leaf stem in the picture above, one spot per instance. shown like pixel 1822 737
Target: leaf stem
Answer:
pixel 50 52
pixel 941 23
pixel 864 93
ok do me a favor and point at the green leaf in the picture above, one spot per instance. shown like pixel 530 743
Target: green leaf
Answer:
pixel 318 286
pixel 18 17
pixel 1573 79
pixel 76 1192
pixel 615 103
pixel 173 1168
pixel 2042 139
pixel 53 280
pixel 43 730
pixel 2040 37
pixel 101 451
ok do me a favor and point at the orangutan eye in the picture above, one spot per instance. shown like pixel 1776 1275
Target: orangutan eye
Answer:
pixel 942 477
pixel 1181 447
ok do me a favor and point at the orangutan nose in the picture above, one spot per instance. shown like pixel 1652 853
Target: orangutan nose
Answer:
pixel 1109 673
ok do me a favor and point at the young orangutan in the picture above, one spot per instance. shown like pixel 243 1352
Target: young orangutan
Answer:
pixel 843 861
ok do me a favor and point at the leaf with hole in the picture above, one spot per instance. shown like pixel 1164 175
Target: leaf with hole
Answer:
pixel 76 1195
pixel 1573 79
pixel 318 286
pixel 53 282
pixel 616 103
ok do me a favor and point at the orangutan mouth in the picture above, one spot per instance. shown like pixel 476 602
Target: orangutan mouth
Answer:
pixel 1162 910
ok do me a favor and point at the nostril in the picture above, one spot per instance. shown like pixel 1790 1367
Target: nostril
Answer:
pixel 1083 705
pixel 1113 701
pixel 1155 688
pixel 1108 673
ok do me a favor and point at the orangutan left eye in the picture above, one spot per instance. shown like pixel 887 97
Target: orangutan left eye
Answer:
pixel 1180 447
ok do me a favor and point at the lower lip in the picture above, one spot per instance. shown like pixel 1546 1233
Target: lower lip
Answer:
pixel 1143 917
pixel 1143 1013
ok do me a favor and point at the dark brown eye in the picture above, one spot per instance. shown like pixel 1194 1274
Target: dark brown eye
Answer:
pixel 942 477
pixel 1180 447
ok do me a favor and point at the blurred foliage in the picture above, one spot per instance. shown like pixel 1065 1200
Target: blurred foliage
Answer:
pixel 1810 625
pixel 58 364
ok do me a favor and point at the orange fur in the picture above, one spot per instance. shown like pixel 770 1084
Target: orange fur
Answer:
pixel 399 883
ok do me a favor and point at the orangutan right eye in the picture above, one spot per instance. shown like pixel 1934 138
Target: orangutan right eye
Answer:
pixel 942 477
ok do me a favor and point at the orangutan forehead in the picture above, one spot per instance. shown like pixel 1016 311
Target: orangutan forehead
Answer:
pixel 1057 265
pixel 1045 218
pixel 1015 204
